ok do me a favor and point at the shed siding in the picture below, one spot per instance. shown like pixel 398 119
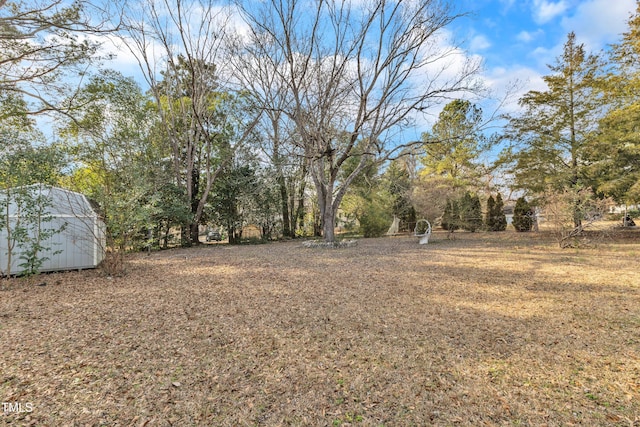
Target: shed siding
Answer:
pixel 79 245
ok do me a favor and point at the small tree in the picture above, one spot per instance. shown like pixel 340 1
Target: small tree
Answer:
pixel 34 229
pixel 522 215
pixel 499 218
pixel 495 219
pixel 560 209
pixel 21 165
pixel 489 220
pixel 233 197
pixel 25 219
pixel 451 216
pixel 375 218
pixel 169 211
pixel 470 212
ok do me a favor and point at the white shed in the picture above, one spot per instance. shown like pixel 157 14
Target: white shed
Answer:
pixel 78 239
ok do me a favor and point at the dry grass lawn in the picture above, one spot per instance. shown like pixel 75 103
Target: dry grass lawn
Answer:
pixel 489 329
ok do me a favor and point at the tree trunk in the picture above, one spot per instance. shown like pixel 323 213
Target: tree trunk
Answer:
pixel 284 200
pixel 328 225
pixel 195 233
pixel 299 217
pixel 195 189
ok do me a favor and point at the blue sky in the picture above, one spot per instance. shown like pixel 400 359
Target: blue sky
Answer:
pixel 518 38
pixel 515 39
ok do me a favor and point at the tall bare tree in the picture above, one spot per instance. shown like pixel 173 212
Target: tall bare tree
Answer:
pixel 179 46
pixel 355 74
pixel 269 92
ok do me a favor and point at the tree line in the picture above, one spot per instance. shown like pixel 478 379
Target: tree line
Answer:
pixel 290 119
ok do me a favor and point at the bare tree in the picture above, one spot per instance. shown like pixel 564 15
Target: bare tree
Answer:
pixel 269 92
pixel 46 47
pixel 559 210
pixel 356 74
pixel 179 46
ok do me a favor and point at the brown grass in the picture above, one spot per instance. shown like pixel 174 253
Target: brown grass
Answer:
pixel 488 329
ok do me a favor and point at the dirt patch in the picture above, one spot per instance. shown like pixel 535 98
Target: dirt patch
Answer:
pixel 487 329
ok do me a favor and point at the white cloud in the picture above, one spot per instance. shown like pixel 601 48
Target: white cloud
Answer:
pixel 528 36
pixel 599 22
pixel 544 10
pixel 509 84
pixel 479 42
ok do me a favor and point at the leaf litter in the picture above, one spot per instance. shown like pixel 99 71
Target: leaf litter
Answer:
pixel 488 329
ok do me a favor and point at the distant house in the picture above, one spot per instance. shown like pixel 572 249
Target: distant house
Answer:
pixel 78 237
pixel 621 209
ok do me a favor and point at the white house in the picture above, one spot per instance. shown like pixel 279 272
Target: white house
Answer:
pixel 73 235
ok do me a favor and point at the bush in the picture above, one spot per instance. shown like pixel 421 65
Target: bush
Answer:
pixel 522 215
pixel 470 212
pixel 375 220
pixel 495 217
pixel 491 207
pixel 499 218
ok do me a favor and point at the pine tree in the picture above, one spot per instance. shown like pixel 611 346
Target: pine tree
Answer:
pixel 614 158
pixel 522 215
pixel 454 145
pixel 552 135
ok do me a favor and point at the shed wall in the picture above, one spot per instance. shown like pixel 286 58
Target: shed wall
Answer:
pixel 79 245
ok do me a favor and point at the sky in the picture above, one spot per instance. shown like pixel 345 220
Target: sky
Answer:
pixel 514 39
pixel 517 39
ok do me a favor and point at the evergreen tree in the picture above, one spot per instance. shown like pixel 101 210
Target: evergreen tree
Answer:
pixel 489 218
pixel 464 205
pixel 470 212
pixel 454 145
pixel 615 155
pixel 476 214
pixel 552 135
pixel 451 216
pixel 499 218
pixel 231 197
pixel 375 218
pixel 522 215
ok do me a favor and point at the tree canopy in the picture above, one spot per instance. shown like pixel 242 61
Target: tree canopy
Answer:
pixel 349 82
pixel 615 152
pixel 299 118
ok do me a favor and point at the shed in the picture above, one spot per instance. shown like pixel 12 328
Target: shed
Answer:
pixel 73 234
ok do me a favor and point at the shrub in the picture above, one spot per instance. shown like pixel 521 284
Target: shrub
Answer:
pixel 522 215
pixel 495 217
pixel 488 219
pixel 499 218
pixel 375 220
pixel 470 212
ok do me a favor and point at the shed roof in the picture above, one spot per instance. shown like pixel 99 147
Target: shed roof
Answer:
pixel 61 202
